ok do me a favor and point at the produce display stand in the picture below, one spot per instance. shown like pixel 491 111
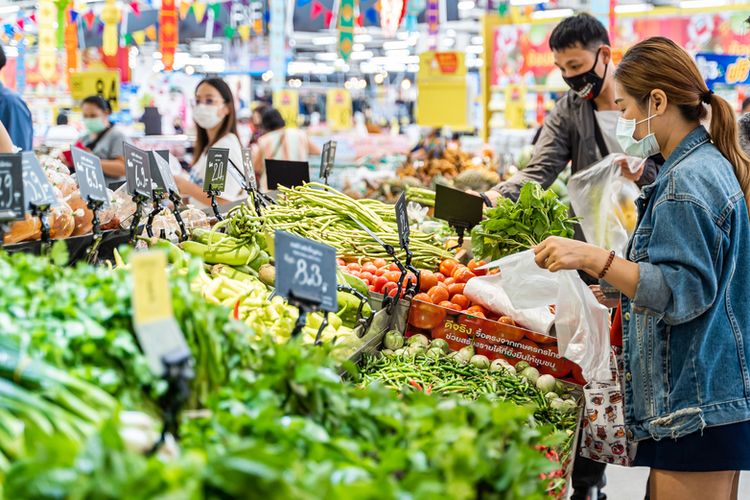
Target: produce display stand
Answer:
pixel 78 245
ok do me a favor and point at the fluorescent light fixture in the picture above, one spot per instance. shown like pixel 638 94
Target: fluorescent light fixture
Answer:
pixel 11 51
pixel 474 49
pixel 398 53
pixel 394 45
pixel 450 32
pixel 9 9
pixel 156 55
pixel 700 4
pixel 361 56
pixel 447 42
pixel 633 8
pixel 357 47
pixel 525 2
pixel 412 60
pixel 552 14
pixel 363 38
pixel 324 40
pixel 212 47
pixel 466 4
pixel 412 68
pixel 477 40
pixel 326 56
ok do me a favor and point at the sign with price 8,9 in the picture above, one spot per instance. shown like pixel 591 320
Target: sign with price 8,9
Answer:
pixel 217 162
pixel 90 177
pixel 36 187
pixel 11 187
pixel 305 270
pixel 137 170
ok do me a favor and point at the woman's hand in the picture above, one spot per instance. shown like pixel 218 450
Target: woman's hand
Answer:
pixel 556 254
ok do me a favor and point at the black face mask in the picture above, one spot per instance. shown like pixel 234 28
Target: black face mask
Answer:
pixel 587 85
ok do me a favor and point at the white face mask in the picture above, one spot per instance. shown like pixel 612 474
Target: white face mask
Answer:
pixel 207 116
pixel 644 148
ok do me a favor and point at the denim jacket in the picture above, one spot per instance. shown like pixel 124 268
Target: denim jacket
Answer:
pixel 686 340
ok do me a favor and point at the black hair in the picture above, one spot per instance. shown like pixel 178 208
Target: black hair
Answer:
pixel 62 118
pixel 746 102
pixel 228 126
pixel 3 59
pixel 272 119
pixel 584 30
pixel 99 102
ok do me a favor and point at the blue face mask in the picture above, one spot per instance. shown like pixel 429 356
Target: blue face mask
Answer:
pixel 643 148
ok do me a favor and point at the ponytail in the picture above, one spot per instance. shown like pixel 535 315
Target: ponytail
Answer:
pixel 725 136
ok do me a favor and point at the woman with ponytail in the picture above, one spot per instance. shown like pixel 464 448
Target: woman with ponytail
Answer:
pixel 685 282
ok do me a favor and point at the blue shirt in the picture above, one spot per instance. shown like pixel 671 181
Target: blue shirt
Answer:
pixel 15 115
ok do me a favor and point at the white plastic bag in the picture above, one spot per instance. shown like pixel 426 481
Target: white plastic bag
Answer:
pixel 524 291
pixel 605 202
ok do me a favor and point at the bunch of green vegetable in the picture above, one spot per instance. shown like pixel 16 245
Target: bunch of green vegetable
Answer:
pixel 320 213
pixel 420 195
pixel 512 227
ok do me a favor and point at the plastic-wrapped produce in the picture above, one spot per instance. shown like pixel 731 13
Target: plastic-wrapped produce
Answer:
pixel 61 221
pixel 195 218
pixel 24 230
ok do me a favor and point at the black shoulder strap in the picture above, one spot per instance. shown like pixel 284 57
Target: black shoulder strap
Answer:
pixel 99 137
pixel 601 144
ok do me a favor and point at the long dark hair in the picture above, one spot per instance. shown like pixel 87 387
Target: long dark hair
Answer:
pixel 228 126
pixel 272 119
pixel 659 63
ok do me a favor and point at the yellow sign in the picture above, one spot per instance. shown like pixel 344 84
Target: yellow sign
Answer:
pixel 339 109
pixel 152 300
pixel 287 102
pixel 443 92
pixel 103 83
pixel 515 106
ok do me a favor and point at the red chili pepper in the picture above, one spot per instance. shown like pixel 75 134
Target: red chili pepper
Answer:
pixel 236 310
pixel 428 389
pixel 415 384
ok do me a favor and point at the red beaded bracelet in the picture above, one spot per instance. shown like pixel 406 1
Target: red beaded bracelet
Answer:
pixel 609 263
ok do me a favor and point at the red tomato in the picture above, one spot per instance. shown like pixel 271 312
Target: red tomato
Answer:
pixel 423 297
pixel 379 263
pixel 447 266
pixel 450 305
pixel 438 294
pixel 462 301
pixel 380 271
pixel 393 267
pixel 425 316
pixel 389 289
pixel 366 276
pixel 506 320
pixel 427 280
pixel 440 277
pixel 370 268
pixel 392 276
pixel 340 262
pixel 379 282
pixel 464 276
pixel 372 288
pixel 478 314
pixel 456 288
pixel 354 273
pixel 354 267
pixel 449 281
pixel 476 309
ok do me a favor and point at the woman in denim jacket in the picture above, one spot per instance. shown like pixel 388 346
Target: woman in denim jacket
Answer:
pixel 686 282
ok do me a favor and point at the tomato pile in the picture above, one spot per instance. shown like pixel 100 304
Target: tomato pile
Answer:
pixel 378 275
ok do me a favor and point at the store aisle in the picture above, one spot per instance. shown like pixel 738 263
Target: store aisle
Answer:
pixel 625 483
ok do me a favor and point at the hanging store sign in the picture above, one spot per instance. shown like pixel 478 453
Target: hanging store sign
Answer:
pixel 346 28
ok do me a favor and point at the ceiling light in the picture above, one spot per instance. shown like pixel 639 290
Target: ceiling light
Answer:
pixel 9 9
pixel 450 32
pixel 357 47
pixel 326 56
pixel 363 38
pixel 412 68
pixel 361 56
pixel 405 84
pixel 477 40
pixel 448 42
pixel 525 2
pixel 397 53
pixel 552 14
pixel 379 78
pixel 466 5
pixel 474 49
pixel 700 4
pixel 324 40
pixel 633 8
pixel 394 45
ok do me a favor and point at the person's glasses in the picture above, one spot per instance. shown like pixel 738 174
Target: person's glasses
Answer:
pixel 208 101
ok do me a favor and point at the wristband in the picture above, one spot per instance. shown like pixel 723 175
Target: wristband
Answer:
pixel 609 263
pixel 486 200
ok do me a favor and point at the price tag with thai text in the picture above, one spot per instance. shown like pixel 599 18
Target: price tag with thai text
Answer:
pixel 90 177
pixel 305 271
pixel 11 188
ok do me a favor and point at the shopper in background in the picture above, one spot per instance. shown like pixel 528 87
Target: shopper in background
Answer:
pixel 279 143
pixel 103 138
pixel 581 127
pixel 15 114
pixel 746 106
pixel 216 127
pixel 686 288
pixel 256 120
pixel 745 126
pixel 6 145
pixel 61 134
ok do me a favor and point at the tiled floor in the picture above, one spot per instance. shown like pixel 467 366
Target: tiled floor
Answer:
pixel 630 483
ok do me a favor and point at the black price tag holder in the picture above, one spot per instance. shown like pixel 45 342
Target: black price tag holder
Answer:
pixel 388 302
pixel 93 190
pixel 327 158
pixel 404 233
pixel 461 210
pixel 250 185
pixel 306 277
pixel 138 174
pixel 287 173
pixel 38 193
pixel 171 186
pixel 217 162
pixel 12 202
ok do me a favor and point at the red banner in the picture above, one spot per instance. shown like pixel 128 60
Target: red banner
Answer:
pixel 168 34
